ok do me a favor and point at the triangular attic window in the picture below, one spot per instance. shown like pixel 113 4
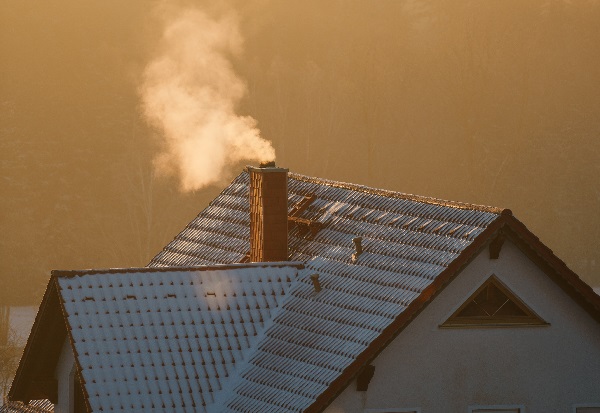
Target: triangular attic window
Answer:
pixel 493 305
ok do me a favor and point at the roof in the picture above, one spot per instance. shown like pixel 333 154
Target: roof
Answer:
pixel 35 406
pixel 178 334
pixel 165 339
pixel 422 234
pixel 307 346
pixel 408 241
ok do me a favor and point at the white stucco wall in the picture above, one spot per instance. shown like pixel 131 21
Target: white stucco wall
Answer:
pixel 545 369
pixel 64 369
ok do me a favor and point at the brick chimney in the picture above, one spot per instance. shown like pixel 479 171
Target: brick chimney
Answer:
pixel 268 213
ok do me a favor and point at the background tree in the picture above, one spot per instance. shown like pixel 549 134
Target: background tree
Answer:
pixel 486 102
pixel 10 351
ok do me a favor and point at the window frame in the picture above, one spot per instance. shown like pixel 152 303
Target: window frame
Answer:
pixel 395 410
pixel 491 408
pixel 453 321
pixel 585 405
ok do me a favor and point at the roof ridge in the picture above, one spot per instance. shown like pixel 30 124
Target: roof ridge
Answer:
pixel 400 195
pixel 213 267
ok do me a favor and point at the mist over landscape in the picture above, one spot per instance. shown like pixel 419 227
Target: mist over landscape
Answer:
pixel 494 103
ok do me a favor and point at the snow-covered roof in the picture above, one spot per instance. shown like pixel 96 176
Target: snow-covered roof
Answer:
pixel 166 340
pixel 407 240
pixel 406 233
pixel 259 337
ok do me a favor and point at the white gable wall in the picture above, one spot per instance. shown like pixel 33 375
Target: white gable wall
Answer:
pixel 545 369
pixel 64 370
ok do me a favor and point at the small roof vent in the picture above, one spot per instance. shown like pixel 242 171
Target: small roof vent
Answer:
pixel 357 247
pixel 315 280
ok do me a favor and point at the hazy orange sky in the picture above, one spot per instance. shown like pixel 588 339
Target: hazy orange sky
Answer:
pixel 494 103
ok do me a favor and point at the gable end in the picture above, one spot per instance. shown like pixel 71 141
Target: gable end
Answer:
pixel 34 378
pixel 504 227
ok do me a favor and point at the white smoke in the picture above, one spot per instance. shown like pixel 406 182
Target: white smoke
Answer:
pixel 191 92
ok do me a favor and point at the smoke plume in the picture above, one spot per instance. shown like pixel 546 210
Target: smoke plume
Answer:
pixel 190 92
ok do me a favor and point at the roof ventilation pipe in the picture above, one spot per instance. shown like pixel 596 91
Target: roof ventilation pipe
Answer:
pixel 357 247
pixel 268 213
pixel 315 280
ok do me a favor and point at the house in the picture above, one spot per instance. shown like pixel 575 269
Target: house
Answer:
pixel 297 294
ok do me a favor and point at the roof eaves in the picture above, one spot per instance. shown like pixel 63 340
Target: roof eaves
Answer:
pixel 216 267
pixel 399 195
pixel 414 308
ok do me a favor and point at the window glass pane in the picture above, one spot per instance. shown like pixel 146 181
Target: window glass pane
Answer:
pixel 494 299
pixel 391 411
pixel 510 309
pixel 517 410
pixel 472 310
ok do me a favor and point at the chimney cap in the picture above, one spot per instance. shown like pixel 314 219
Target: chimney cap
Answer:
pixel 267 166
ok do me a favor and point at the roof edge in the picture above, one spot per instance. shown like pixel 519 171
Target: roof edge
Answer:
pixel 400 195
pixel 567 279
pixel 215 267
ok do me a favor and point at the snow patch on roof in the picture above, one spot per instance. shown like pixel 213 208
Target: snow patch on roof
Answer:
pixel 157 340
